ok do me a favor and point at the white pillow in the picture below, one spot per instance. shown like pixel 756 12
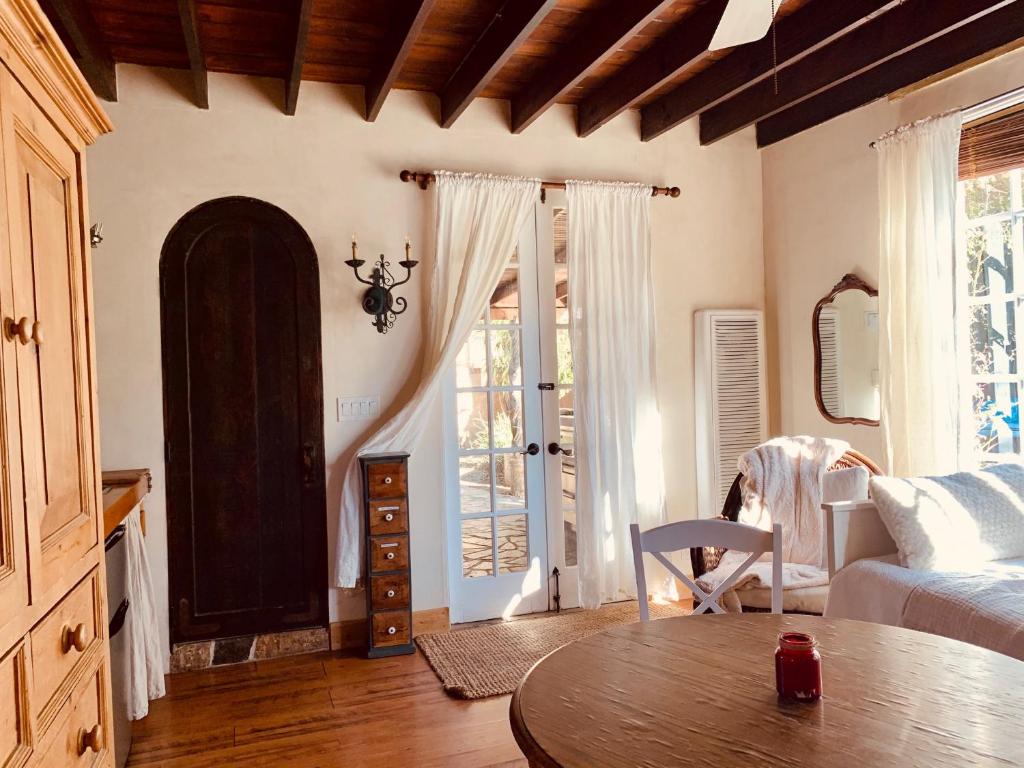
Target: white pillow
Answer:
pixel 850 484
pixel 954 522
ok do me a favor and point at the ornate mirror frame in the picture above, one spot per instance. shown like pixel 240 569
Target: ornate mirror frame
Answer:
pixel 850 282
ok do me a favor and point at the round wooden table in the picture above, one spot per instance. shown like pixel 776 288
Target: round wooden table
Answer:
pixel 700 691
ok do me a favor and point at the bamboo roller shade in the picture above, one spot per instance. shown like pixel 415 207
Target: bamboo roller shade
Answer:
pixel 992 145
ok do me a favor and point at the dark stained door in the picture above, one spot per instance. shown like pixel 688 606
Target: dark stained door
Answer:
pixel 243 420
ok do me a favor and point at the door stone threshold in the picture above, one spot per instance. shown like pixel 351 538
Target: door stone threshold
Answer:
pixel 207 654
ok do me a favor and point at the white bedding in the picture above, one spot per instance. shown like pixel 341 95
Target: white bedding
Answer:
pixel 985 608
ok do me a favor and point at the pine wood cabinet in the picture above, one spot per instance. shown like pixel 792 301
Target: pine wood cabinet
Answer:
pixel 54 658
pixel 41 174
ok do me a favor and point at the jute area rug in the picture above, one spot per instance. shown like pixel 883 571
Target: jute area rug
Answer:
pixel 491 660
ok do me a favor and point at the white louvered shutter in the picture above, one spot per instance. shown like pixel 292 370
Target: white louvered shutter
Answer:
pixel 828 337
pixel 731 405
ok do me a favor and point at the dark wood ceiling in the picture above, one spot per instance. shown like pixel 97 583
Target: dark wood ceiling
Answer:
pixel 603 56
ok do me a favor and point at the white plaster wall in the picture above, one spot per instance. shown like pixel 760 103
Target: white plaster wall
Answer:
pixel 821 221
pixel 337 174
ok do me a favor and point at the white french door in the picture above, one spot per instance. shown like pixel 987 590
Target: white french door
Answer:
pixel 558 402
pixel 511 473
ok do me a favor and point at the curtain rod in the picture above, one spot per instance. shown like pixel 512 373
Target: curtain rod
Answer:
pixel 977 113
pixel 426 179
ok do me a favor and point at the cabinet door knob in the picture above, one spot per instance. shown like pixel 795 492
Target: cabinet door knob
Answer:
pixel 391 555
pixel 387 481
pixel 73 638
pixel 389 517
pixel 391 630
pixel 90 740
pixel 18 329
pixel 391 593
pixel 37 332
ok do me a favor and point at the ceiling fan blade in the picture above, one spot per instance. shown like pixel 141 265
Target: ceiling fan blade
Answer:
pixel 743 21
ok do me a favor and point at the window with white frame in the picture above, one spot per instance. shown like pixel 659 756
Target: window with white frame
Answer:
pixel 992 247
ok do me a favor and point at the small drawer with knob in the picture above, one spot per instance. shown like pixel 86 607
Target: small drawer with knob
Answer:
pixel 61 642
pixel 391 628
pixel 389 553
pixel 80 735
pixel 388 592
pixel 386 480
pixel 389 517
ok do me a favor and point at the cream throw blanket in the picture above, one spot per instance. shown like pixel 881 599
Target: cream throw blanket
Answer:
pixel 782 484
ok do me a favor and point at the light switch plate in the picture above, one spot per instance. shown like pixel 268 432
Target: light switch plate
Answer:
pixel 358 408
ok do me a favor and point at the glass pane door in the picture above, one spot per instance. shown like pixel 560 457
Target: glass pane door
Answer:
pixel 497 534
pixel 558 403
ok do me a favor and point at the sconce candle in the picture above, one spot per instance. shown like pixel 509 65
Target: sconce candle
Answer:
pixel 379 300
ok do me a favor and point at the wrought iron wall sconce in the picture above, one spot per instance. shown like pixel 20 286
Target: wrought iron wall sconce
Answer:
pixel 379 300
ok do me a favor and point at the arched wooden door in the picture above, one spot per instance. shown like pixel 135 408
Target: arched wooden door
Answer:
pixel 243 422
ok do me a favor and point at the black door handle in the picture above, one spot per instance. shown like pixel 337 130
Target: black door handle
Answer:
pixel 118 621
pixel 554 449
pixel 115 536
pixel 533 449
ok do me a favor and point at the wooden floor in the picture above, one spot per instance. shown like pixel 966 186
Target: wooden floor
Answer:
pixel 322 711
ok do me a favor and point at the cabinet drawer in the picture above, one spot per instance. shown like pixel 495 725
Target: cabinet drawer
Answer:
pixel 61 640
pixel 389 591
pixel 386 480
pixel 82 733
pixel 389 517
pixel 389 553
pixel 391 628
pixel 14 707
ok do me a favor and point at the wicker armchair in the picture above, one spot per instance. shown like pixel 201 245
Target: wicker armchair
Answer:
pixel 707 558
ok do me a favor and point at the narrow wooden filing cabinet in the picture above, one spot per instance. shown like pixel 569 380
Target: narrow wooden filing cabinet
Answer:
pixel 388 575
pixel 54 661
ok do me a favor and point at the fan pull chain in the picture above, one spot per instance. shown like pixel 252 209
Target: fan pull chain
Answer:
pixel 775 54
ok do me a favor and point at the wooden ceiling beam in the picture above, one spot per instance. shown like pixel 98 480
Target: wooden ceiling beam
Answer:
pixel 91 52
pixel 685 44
pixel 511 26
pixel 196 60
pixel 1000 28
pixel 892 33
pixel 612 26
pixel 291 85
pixel 805 29
pixel 396 51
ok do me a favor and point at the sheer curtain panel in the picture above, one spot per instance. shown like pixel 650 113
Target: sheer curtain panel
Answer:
pixel 479 218
pixel 618 426
pixel 919 361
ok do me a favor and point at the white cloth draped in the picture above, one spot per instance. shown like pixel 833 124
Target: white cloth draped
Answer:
pixel 783 483
pixel 146 657
pixel 618 427
pixel 919 364
pixel 479 218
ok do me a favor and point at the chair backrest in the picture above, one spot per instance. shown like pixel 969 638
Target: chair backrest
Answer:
pixel 689 534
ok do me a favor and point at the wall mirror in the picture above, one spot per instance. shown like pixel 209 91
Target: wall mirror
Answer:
pixel 845 330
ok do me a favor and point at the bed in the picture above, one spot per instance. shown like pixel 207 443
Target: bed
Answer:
pixel 984 606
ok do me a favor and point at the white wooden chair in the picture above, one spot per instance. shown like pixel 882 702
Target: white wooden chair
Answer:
pixel 706 533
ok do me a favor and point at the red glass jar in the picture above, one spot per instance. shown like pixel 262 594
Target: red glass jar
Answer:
pixel 798 667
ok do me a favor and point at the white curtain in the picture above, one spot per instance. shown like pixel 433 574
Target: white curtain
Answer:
pixel 145 651
pixel 477 228
pixel 618 428
pixel 919 361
